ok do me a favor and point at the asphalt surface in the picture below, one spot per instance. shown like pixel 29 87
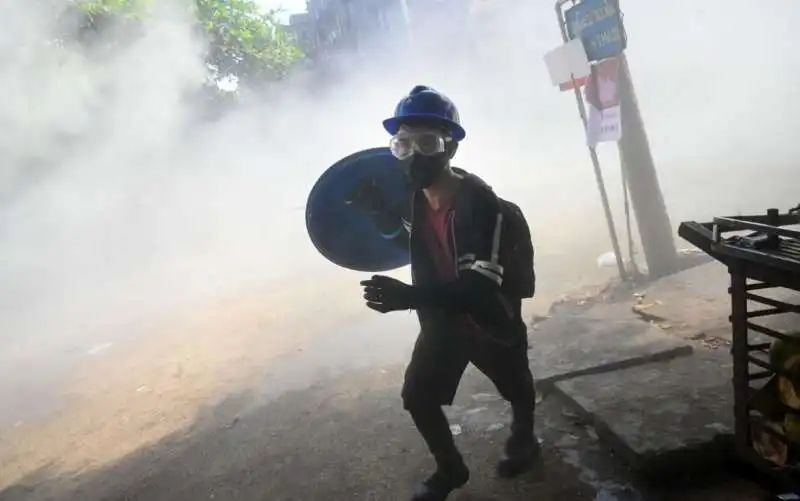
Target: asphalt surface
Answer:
pixel 343 438
pixel 219 410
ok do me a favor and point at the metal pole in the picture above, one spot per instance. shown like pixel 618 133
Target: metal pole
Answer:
pixel 598 174
pixel 740 357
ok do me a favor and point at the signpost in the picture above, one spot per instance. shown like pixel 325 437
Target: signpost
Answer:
pixel 567 63
pixel 598 24
pixel 580 23
pixel 604 122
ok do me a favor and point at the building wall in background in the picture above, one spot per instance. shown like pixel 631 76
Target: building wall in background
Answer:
pixel 440 26
pixel 357 29
pixel 340 36
pixel 302 27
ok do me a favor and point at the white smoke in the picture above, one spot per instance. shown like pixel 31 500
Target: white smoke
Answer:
pixel 117 204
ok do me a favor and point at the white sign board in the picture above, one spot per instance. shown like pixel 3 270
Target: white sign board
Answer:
pixel 603 126
pixel 602 96
pixel 567 63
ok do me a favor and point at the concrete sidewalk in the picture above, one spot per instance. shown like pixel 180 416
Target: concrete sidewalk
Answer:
pixel 655 398
pixel 660 394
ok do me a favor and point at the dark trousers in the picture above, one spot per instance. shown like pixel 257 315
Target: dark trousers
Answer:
pixel 434 373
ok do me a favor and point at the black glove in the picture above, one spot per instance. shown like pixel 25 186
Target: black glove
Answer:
pixel 368 197
pixel 385 294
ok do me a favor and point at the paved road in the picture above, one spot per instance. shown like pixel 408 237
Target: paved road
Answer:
pixel 217 406
pixel 343 437
pixel 242 402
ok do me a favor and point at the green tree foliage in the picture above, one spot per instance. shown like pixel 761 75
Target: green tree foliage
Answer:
pixel 125 8
pixel 243 40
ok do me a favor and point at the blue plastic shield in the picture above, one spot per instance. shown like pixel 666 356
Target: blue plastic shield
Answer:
pixel 344 233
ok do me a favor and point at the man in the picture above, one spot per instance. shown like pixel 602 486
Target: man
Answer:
pixel 466 312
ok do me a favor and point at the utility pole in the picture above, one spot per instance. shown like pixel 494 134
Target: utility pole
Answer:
pixel 647 200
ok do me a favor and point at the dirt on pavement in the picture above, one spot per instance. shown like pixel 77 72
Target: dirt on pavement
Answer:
pixel 193 414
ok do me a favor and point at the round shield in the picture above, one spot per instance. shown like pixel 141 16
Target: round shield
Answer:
pixel 342 230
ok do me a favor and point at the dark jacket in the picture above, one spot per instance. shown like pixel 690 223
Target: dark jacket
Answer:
pixel 476 225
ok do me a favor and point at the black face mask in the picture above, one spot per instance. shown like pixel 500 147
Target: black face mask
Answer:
pixel 422 171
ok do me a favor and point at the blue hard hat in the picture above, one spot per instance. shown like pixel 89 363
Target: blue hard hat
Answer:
pixel 425 103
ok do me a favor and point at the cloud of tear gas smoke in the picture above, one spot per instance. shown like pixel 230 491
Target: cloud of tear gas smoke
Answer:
pixel 115 204
pixel 714 83
pixel 143 209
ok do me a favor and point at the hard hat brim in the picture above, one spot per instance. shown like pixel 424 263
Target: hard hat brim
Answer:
pixel 392 125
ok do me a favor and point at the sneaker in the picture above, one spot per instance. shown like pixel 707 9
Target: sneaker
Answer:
pixel 521 454
pixel 439 485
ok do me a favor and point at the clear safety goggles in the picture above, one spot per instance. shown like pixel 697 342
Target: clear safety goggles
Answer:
pixel 404 145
